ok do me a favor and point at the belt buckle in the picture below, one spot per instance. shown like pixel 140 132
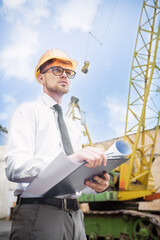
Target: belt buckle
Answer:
pixel 65 207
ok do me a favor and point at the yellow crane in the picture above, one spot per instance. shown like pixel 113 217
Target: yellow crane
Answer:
pixel 143 109
pixel 118 207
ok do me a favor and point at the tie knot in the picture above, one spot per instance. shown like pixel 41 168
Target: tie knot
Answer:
pixel 58 108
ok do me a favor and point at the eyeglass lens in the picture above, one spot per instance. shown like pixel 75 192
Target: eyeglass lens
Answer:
pixel 58 71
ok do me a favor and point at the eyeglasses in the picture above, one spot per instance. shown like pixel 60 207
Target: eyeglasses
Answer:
pixel 58 71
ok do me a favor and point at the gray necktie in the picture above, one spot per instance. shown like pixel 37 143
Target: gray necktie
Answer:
pixel 64 132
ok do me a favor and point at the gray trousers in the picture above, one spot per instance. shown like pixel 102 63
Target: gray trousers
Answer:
pixel 43 222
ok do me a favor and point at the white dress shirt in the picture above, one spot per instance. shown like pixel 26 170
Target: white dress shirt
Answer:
pixel 34 141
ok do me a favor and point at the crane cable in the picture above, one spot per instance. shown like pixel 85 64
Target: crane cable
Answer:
pixel 105 31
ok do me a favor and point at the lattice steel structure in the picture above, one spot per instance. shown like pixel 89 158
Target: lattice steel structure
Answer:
pixel 75 113
pixel 143 109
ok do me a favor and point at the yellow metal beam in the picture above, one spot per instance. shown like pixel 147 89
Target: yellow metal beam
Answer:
pixel 129 195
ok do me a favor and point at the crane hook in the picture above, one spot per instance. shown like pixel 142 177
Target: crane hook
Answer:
pixel 85 67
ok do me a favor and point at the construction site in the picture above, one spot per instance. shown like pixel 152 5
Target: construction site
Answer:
pixel 130 208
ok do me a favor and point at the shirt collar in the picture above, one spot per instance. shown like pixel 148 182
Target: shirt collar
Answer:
pixel 49 101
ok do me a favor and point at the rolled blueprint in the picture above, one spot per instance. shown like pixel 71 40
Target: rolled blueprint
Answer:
pixel 120 149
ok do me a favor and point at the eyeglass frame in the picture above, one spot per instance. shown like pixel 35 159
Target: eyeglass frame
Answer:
pixel 64 69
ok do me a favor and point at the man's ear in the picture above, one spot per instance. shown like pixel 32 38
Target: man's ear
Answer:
pixel 41 78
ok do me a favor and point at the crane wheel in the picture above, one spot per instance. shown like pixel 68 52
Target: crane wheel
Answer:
pixel 123 237
pixel 93 236
pixel 143 228
pixel 109 237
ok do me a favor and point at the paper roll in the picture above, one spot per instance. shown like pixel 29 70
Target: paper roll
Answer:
pixel 119 149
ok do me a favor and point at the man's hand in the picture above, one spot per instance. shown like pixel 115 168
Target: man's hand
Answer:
pixel 94 157
pixel 101 184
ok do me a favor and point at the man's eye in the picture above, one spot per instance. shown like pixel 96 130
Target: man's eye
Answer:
pixel 58 70
pixel 68 72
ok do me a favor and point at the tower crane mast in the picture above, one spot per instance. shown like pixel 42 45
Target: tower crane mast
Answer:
pixel 143 109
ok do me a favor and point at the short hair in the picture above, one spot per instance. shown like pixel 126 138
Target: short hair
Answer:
pixel 41 68
pixel 45 64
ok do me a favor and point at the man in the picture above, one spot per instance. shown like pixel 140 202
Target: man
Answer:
pixel 35 141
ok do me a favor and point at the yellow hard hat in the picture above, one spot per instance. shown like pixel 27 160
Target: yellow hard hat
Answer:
pixel 54 54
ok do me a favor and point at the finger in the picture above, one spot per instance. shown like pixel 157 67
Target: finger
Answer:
pixel 91 184
pixel 95 155
pixel 101 184
pixel 104 162
pixel 86 156
pixel 89 164
pixel 96 186
pixel 99 180
pixel 94 160
pixel 97 162
pixel 100 158
pixel 106 176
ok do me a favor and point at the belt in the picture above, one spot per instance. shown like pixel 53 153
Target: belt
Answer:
pixel 63 204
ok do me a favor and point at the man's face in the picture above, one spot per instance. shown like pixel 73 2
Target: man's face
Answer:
pixel 56 84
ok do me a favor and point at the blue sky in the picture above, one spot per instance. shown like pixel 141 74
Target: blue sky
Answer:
pixel 30 27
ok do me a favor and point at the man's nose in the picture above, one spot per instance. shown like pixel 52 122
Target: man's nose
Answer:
pixel 64 75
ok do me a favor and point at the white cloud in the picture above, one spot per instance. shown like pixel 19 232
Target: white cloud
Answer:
pixel 75 14
pixel 10 9
pixel 10 104
pixel 116 110
pixel 37 10
pixel 3 116
pixel 31 11
pixel 13 4
pixel 8 99
pixel 16 58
